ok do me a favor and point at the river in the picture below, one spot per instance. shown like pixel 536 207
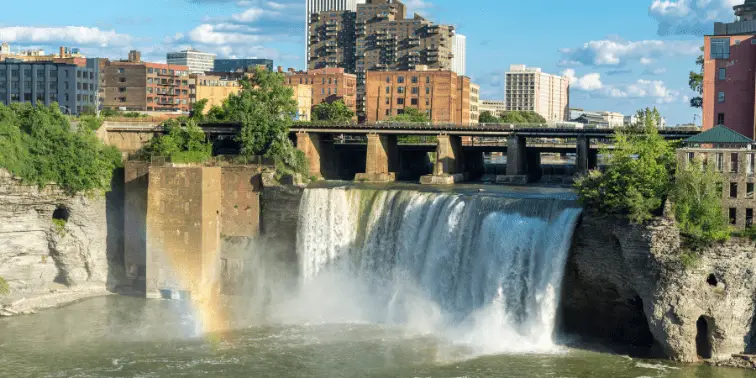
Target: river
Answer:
pixel 132 337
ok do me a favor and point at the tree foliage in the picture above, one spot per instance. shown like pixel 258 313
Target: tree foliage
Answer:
pixel 198 110
pixel 695 81
pixel 335 111
pixel 39 145
pixel 697 196
pixel 487 117
pixel 181 144
pixel 637 179
pixel 410 115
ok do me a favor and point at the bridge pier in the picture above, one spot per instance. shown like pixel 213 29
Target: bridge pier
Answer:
pixel 382 161
pixel 585 158
pixel 320 153
pixel 449 166
pixel 517 161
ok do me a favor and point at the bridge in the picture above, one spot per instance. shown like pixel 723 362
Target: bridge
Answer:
pixel 459 149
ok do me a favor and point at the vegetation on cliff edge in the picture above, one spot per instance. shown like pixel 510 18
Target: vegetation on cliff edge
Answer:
pixel 4 287
pixel 181 144
pixel 697 199
pixel 39 146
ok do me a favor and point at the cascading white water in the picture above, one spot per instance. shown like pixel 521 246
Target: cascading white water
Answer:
pixel 483 269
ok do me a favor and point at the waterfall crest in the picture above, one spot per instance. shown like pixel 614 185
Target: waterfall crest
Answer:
pixel 485 269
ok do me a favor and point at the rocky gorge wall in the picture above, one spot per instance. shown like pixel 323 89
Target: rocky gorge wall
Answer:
pixel 627 283
pixel 56 248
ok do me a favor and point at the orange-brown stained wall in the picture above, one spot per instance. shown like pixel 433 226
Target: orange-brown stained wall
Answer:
pixel 328 85
pixel 738 85
pixel 442 95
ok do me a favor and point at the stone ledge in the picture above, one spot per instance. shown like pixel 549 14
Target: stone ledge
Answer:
pixel 512 179
pixel 443 179
pixel 375 177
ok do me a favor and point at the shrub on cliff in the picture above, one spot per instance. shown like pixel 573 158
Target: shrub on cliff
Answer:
pixel 181 144
pixel 39 146
pixel 637 178
pixel 697 196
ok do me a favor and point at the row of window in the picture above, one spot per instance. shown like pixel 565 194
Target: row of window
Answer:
pixel 733 215
pixel 719 160
pixel 28 73
pixel 27 97
pixel 414 90
pixel 183 92
pixel 307 80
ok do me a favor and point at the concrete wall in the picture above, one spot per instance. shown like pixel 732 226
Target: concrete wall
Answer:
pixel 240 213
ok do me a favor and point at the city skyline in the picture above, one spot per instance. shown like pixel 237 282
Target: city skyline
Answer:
pixel 638 54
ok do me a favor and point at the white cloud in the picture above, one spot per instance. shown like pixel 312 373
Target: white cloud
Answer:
pixel 417 6
pixel 221 35
pixel 616 52
pixel 589 82
pixel 79 35
pixel 692 17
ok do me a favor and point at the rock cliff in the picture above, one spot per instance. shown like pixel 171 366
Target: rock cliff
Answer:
pixel 627 283
pixel 54 247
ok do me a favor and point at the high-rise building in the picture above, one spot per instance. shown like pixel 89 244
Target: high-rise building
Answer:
pixel 529 89
pixel 442 95
pixel 728 85
pixel 459 49
pixel 198 62
pixel 242 65
pixel 73 86
pixel 333 40
pixel 317 6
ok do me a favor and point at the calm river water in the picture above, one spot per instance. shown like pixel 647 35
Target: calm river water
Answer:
pixel 131 337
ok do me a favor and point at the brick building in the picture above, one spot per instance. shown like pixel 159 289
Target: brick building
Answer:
pixel 328 85
pixel 442 95
pixel 141 86
pixel 729 80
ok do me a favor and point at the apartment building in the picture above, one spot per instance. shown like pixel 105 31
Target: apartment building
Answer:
pixel 328 85
pixel 474 104
pixel 313 7
pixel 141 86
pixel 215 88
pixel 242 65
pixel 442 95
pixel 728 85
pixel 197 61
pixel 529 89
pixel 333 40
pixel 495 107
pixel 73 86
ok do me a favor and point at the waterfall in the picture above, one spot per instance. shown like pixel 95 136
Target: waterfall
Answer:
pixel 485 269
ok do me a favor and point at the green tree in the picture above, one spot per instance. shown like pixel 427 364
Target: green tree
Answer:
pixel 216 114
pixel 90 122
pixel 336 111
pixel 198 110
pixel 637 179
pixel 522 117
pixel 410 115
pixel 695 81
pixel 180 143
pixel 487 117
pixel 697 196
pixel 39 145
pixel 265 108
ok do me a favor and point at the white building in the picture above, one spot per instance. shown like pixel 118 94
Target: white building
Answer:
pixel 474 103
pixel 198 62
pixel 459 49
pixel 495 107
pixel 317 6
pixel 5 49
pixel 529 89
pixel 613 119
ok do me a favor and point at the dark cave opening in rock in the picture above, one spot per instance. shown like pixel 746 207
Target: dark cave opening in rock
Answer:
pixel 703 338
pixel 61 213
pixel 712 280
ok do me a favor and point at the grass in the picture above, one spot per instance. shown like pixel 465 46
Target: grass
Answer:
pixel 60 226
pixel 690 259
pixel 4 287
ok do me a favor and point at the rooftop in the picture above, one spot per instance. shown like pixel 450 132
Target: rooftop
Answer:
pixel 719 135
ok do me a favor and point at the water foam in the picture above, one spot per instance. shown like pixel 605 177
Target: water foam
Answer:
pixel 485 271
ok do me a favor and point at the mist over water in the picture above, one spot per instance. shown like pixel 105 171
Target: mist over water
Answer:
pixel 482 271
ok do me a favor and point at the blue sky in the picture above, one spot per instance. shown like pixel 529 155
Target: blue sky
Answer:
pixel 620 55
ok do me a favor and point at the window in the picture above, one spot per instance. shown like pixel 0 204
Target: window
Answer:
pixel 750 164
pixel 85 86
pixel 27 72
pixel 749 190
pixel 53 73
pixel 400 101
pixel 722 73
pixel 733 216
pixel 691 157
pixel 427 80
pixel 733 190
pixel 388 101
pixel 388 90
pixel 65 86
pixel 27 97
pixel 388 112
pixel 149 80
pixel 121 79
pixel 719 48
pixel 414 79
pixel 427 90
pixel 149 70
pixel 400 79
pixel 40 86
pixel 749 217
pixel 400 89
pixel 737 42
pixel 721 97
pixel 122 90
pixel 329 81
pixel 121 70
pixel 413 101
pixel 720 162
pixel 53 86
pixel 734 162
pixel 720 119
